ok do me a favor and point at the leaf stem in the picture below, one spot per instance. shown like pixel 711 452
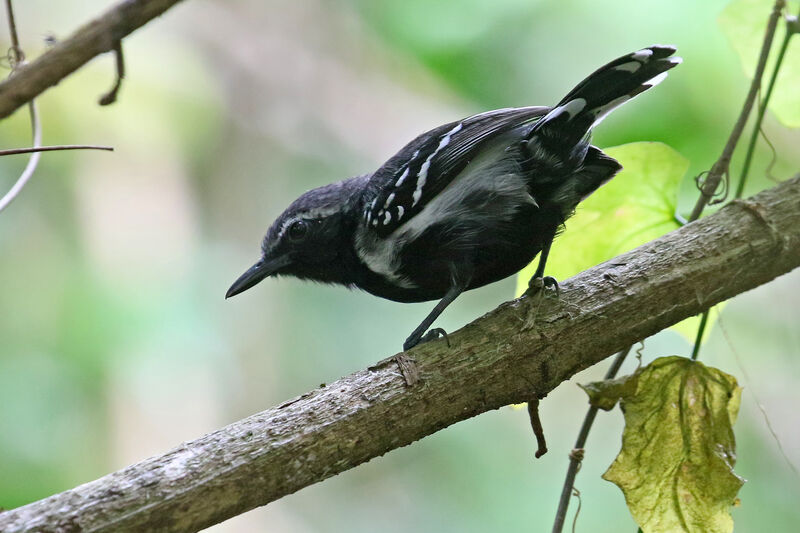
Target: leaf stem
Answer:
pixel 700 330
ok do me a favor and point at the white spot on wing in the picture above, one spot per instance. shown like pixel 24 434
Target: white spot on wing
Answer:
pixel 496 181
pixel 416 196
pixel 389 201
pixel 422 176
pixel 499 183
pixel 642 55
pixel 388 218
pixel 402 178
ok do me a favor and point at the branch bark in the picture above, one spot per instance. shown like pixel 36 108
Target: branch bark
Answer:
pixel 98 36
pixel 499 359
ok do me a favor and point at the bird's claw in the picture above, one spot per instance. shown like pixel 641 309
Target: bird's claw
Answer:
pixel 431 335
pixel 538 283
pixel 434 334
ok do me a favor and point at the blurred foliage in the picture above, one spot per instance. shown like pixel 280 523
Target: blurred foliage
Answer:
pixel 115 340
pixel 744 22
pixel 678 448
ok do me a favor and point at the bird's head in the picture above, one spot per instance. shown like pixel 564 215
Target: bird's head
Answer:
pixel 309 240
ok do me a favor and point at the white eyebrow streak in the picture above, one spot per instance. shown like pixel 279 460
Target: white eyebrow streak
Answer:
pixel 311 214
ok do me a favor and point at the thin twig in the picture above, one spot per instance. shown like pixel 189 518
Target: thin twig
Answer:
pixel 577 494
pixel 721 167
pixel 33 162
pixel 762 109
pixel 12 30
pixel 30 168
pixel 32 149
pixel 576 456
pixel 536 425
pixel 111 96
pixel 699 338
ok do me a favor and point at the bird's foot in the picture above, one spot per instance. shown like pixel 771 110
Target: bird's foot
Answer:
pixel 537 289
pixel 431 335
pixel 539 283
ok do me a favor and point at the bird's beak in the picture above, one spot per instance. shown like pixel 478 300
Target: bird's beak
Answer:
pixel 256 273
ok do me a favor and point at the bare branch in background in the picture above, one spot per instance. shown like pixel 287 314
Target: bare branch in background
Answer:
pixel 56 148
pixel 97 37
pixel 494 361
pixel 34 160
pixel 111 96
pixel 17 58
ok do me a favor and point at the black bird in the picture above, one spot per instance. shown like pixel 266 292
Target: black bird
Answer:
pixel 463 205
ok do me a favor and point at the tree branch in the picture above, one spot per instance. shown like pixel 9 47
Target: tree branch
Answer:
pixel 497 360
pixel 98 36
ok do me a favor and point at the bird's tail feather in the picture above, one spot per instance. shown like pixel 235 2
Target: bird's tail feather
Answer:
pixel 604 90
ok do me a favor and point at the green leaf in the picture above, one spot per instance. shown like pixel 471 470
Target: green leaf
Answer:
pixel 744 23
pixel 678 449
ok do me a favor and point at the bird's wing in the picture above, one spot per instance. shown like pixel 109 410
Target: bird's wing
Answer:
pixel 408 181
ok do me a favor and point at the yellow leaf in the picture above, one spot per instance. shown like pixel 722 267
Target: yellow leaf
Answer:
pixel 678 449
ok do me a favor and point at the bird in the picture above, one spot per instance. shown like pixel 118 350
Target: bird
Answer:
pixel 463 205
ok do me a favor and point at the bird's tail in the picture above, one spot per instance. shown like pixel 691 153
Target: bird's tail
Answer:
pixel 605 89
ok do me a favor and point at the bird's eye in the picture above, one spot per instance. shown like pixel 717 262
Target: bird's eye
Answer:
pixel 298 230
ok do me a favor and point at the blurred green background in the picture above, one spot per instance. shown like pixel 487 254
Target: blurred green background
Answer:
pixel 116 342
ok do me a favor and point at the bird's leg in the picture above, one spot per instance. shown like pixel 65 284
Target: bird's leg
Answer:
pixel 539 281
pixel 419 334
